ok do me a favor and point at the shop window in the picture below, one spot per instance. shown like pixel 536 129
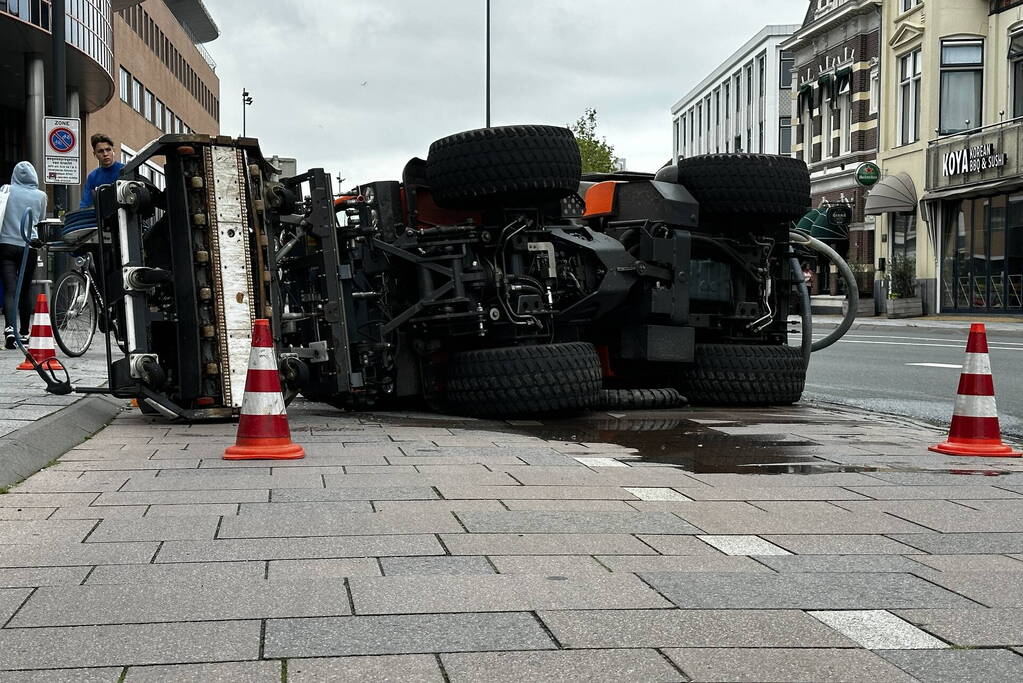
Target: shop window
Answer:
pixel 785 135
pixel 909 97
pixel 904 235
pixel 962 78
pixel 1016 71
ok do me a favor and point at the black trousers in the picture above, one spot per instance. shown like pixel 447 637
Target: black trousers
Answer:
pixel 10 264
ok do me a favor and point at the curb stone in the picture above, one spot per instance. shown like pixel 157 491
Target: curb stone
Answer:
pixel 27 450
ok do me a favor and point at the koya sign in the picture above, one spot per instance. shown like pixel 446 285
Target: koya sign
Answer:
pixel 972 160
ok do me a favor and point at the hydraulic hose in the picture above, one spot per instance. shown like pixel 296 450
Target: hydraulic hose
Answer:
pixel 804 310
pixel 851 288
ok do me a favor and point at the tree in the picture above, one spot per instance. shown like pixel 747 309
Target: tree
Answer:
pixel 597 155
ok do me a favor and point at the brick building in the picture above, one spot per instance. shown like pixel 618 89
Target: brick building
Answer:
pixel 835 92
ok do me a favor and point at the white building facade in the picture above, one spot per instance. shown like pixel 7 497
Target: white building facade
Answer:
pixel 745 105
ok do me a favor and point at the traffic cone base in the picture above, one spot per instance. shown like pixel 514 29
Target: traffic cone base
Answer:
pixel 40 344
pixel 974 430
pixel 263 431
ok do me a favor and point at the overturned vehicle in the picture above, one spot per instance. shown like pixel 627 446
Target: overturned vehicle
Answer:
pixel 492 279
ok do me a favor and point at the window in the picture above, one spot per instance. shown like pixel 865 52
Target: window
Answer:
pixel 699 128
pixel 737 79
pixel 827 123
pixel 962 78
pixel 845 122
pixel 680 125
pixel 149 106
pixel 909 98
pixel 785 135
pixel 761 75
pixel 728 106
pixel 788 62
pixel 177 125
pixel 136 95
pixel 875 89
pixel 906 5
pixel 125 86
pixel 1016 71
pixel 158 118
pixel 738 143
pixel 168 124
pixel 749 85
pixel 760 138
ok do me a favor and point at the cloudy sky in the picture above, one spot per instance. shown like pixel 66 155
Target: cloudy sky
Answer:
pixel 361 86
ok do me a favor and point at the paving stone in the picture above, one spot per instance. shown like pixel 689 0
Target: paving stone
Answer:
pixel 75 554
pixel 325 509
pixel 100 512
pixel 568 522
pixel 802 591
pixel 70 482
pixel 155 529
pixel 546 565
pixel 379 669
pixel 842 479
pixel 44 532
pixel 947 516
pixel 483 478
pixel 577 665
pixel 97 646
pixel 45 500
pixel 656 493
pixel 98 675
pixel 202 481
pixel 323 569
pixel 544 544
pixel 933 492
pixel 840 563
pixel 250 672
pixel 152 602
pixel 125 464
pixel 805 665
pixel 21 514
pixel 878 630
pixel 967 544
pixel 570 505
pixel 200 573
pixel 841 544
pixel 30 577
pixel 678 545
pixel 743 545
pixel 505 592
pixel 978 627
pixel 198 510
pixel 690 628
pixel 1000 589
pixel 539 492
pixel 947 478
pixel 681 563
pixel 416 460
pixel 353 493
pixel 616 476
pixel 10 601
pixel 958 665
pixel 433 507
pixel 226 550
pixel 772 493
pixel 272 524
pixel 971 563
pixel 437 566
pixel 211 497
pixel 401 634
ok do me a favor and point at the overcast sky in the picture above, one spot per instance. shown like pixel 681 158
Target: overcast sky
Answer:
pixel 361 86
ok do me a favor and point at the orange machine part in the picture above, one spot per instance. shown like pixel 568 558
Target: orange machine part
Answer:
pixel 600 199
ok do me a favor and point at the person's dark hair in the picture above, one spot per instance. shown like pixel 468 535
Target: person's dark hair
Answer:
pixel 98 138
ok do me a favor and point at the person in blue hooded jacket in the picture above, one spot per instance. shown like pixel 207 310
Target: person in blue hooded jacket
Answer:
pixel 22 194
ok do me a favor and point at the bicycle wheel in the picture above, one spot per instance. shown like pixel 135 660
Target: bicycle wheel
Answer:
pixel 73 314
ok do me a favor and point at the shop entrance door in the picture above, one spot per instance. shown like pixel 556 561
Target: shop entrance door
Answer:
pixel 982 260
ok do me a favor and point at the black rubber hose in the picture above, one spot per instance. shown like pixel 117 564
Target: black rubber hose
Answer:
pixel 851 288
pixel 806 318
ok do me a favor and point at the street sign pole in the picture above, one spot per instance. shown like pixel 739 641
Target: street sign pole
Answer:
pixel 57 11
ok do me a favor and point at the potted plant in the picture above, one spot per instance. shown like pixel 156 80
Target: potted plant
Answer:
pixel 902 299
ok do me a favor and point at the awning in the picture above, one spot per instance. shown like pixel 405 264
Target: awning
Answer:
pixel 894 193
pixel 993 187
pixel 816 223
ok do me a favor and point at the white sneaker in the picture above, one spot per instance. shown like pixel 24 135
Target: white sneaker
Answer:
pixel 9 338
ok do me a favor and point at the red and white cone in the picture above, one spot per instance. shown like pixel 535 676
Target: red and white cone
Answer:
pixel 263 431
pixel 974 429
pixel 40 343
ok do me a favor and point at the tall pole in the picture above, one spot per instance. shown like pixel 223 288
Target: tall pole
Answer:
pixel 59 87
pixel 488 63
pixel 246 101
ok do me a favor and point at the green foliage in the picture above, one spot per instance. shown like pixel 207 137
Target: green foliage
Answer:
pixel 597 155
pixel 901 277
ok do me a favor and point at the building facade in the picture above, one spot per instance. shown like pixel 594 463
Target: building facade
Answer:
pixel 952 106
pixel 743 105
pixel 134 70
pixel 166 82
pixel 835 92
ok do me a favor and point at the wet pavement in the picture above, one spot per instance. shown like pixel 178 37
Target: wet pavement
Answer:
pixel 807 543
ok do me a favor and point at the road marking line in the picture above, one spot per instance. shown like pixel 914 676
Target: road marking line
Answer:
pixel 939 339
pixel 937 365
pixel 743 545
pixel 946 346
pixel 878 629
pixel 656 494
pixel 601 462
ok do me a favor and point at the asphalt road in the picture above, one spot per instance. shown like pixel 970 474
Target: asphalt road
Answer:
pixel 913 373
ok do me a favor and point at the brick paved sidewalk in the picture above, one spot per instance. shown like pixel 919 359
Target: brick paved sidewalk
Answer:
pixel 422 548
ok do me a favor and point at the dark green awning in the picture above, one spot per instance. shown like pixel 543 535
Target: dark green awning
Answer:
pixel 815 222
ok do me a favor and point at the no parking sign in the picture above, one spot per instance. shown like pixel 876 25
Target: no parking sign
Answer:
pixel 63 151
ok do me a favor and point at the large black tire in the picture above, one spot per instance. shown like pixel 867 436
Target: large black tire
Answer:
pixel 747 188
pixel 639 399
pixel 505 165
pixel 744 375
pixel 523 380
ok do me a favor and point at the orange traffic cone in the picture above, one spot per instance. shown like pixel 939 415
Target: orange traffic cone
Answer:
pixel 263 431
pixel 40 344
pixel 974 429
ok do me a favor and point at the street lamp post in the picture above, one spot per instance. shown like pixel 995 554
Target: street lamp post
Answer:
pixel 246 101
pixel 488 63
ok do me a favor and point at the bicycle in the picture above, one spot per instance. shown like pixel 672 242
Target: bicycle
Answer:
pixel 77 302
